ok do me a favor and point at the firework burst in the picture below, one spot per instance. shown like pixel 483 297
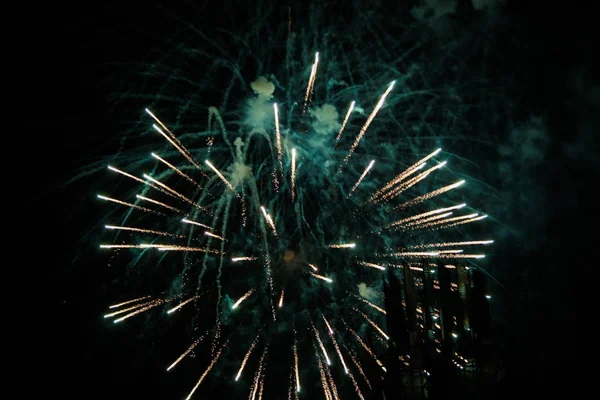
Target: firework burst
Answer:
pixel 271 236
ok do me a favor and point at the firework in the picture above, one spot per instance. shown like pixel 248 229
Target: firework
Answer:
pixel 252 220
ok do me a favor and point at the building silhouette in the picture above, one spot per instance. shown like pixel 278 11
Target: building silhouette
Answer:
pixel 439 324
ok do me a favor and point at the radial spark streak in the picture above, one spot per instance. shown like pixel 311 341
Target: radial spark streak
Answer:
pixel 135 178
pixel 187 221
pixel 311 83
pixel 364 128
pixel 413 254
pixel 165 247
pixel 177 170
pixel 373 324
pixel 424 215
pixel 269 220
pixel 446 221
pixel 452 244
pixel 410 183
pixel 129 302
pixel 423 223
pixel 293 174
pixel 367 349
pixel 462 256
pixel 403 175
pixel 124 310
pixel 128 204
pixel 245 360
pixel 368 264
pixel 466 221
pixel 160 187
pixel 176 193
pixel 346 118
pixel 327 324
pixel 359 367
pixel 381 310
pixel 366 171
pixel 180 149
pixel 427 196
pixel 123 246
pixel 337 348
pixel 296 364
pixel 146 307
pixel 177 143
pixel 342 246
pixel 128 228
pixel 177 307
pixel 324 382
pixel 212 363
pixel 185 353
pixel 262 385
pixel 321 345
pixel 158 203
pixel 220 175
pixel 244 297
pixel 356 388
pixel 331 383
pixel 258 375
pixel 321 277
pixel 238 259
pixel 214 236
pixel 279 172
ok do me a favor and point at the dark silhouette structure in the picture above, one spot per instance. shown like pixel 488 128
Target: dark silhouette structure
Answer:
pixel 439 325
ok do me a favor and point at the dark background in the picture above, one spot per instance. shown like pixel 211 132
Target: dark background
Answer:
pixel 63 58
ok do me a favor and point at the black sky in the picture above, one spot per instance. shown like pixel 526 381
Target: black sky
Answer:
pixel 63 59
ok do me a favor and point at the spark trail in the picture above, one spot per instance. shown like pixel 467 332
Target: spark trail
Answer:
pixel 364 128
pixel 210 366
pixel 185 353
pixel 244 297
pixel 245 360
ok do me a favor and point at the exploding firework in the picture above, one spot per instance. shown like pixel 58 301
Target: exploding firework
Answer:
pixel 276 236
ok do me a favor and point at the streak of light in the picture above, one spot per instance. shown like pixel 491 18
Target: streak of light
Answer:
pixel 238 259
pixel 129 301
pixel 366 171
pixel 245 360
pixel 321 277
pixel 212 363
pixel 364 128
pixel 185 353
pixel 220 175
pixel 244 297
pixel 368 264
pixel 158 203
pixel 128 204
pixel 342 246
pixel 187 221
pixel 346 118
pixel 215 236
pixel 172 310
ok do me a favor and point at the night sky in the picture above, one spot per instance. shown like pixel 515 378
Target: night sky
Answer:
pixel 72 64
